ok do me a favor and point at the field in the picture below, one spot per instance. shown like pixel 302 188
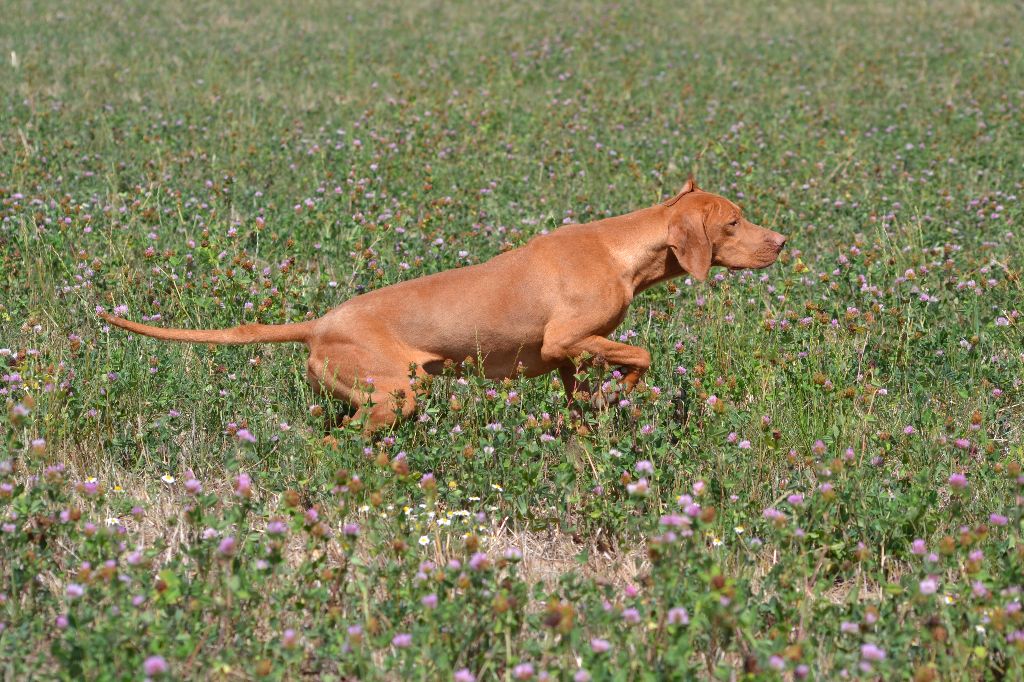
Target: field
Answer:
pixel 821 478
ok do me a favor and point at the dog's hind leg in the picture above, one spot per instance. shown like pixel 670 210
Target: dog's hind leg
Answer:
pixel 378 388
pixel 391 398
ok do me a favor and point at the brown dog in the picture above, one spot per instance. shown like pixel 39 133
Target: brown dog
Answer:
pixel 534 309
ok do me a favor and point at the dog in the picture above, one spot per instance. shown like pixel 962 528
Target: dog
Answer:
pixel 545 306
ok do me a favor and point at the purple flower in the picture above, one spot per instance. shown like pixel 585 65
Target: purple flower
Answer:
pixel 776 663
pixel 997 519
pixel 644 466
pixel 795 499
pixel 289 638
pixel 75 591
pixel 523 671
pixel 678 616
pixel 918 547
pixel 463 675
pixel 581 676
pixel 154 666
pixel 243 486
pixel 599 646
pixel 245 435
pixel 929 586
pixel 227 546
pixel 277 527
pixel 639 488
pixel 478 561
pixel 819 447
pixel 870 652
pixel 193 486
pixel 675 520
pixel 631 615
pixel 958 481
pixel 402 640
pixel 350 529
pixel 430 601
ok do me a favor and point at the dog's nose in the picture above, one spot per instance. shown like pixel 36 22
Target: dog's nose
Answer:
pixel 779 240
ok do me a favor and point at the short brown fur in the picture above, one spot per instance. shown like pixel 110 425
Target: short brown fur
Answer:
pixel 534 309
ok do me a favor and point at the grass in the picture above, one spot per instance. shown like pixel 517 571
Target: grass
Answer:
pixel 822 478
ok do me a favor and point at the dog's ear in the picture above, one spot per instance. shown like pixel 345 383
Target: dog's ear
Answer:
pixel 690 186
pixel 689 243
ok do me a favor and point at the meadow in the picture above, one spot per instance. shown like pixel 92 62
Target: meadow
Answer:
pixel 821 478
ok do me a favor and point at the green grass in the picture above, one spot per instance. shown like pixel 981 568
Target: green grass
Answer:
pixel 220 163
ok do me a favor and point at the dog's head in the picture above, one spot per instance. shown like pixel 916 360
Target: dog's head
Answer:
pixel 705 229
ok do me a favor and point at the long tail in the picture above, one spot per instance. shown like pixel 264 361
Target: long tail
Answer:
pixel 246 333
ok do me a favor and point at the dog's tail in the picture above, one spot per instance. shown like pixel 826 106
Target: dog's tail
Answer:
pixel 246 333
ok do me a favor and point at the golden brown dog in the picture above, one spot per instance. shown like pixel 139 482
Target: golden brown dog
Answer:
pixel 534 309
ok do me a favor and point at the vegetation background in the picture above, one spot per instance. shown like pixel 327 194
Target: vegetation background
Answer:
pixel 821 480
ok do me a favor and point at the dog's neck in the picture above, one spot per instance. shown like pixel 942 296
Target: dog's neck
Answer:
pixel 639 241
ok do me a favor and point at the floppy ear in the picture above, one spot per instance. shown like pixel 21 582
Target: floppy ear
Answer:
pixel 689 243
pixel 690 186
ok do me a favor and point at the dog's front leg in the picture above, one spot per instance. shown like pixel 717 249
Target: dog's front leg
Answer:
pixel 571 383
pixel 635 361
